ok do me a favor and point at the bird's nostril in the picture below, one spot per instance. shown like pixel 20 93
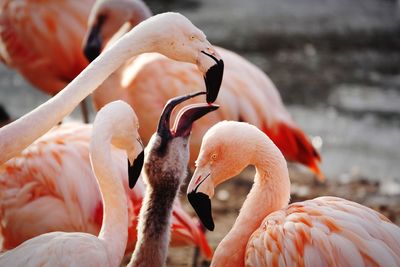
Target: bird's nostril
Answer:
pixel 197 180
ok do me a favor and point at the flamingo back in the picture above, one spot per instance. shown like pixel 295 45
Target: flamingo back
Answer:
pixel 148 81
pixel 43 40
pixel 325 231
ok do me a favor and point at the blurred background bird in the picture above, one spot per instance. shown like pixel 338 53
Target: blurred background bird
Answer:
pixel 42 40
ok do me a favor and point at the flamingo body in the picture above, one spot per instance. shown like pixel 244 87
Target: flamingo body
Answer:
pixel 42 40
pixel 325 231
pixel 148 81
pixel 83 246
pixel 50 186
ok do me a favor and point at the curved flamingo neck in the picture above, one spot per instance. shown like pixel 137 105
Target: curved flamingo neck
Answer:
pixel 21 133
pixel 270 192
pixel 114 227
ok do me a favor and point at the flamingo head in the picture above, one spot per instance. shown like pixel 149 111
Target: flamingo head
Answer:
pixel 167 154
pixel 180 40
pixel 172 35
pixel 109 20
pixel 125 136
pixel 226 149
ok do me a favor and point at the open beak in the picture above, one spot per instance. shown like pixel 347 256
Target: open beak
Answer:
pixel 163 129
pixel 93 44
pixel 188 115
pixel 199 192
pixel 135 169
pixel 213 74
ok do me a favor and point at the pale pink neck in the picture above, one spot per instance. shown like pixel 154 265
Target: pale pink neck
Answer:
pixel 114 227
pixel 270 192
pixel 21 133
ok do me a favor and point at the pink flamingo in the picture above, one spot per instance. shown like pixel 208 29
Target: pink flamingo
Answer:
pixel 326 231
pixel 151 79
pixel 50 186
pixel 42 40
pixel 116 124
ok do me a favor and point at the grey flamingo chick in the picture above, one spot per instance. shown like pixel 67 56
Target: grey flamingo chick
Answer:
pixel 165 167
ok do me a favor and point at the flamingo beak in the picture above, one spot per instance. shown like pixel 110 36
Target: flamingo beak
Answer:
pixel 163 129
pixel 188 115
pixel 135 169
pixel 201 203
pixel 213 78
pixel 199 193
pixel 93 43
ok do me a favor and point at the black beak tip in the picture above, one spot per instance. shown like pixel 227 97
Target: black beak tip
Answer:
pixel 135 170
pixel 201 203
pixel 213 80
pixel 91 52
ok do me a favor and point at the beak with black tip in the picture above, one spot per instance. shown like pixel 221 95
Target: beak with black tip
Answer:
pixel 135 169
pixel 201 204
pixel 93 44
pixel 199 193
pixel 213 77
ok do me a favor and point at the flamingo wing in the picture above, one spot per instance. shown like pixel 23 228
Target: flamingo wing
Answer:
pixel 256 100
pixel 187 230
pixel 49 187
pixel 325 231
pixel 247 94
pixel 58 249
pixel 42 40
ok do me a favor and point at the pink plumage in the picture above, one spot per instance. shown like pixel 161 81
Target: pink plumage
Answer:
pixel 50 186
pixel 42 40
pixel 325 231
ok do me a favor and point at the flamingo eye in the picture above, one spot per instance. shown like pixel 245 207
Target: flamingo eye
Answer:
pixel 214 156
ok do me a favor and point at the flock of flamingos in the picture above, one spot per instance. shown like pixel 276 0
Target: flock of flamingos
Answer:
pixel 79 194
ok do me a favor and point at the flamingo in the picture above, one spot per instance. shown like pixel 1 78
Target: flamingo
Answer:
pixel 50 187
pixel 247 93
pixel 325 231
pixel 42 40
pixel 115 124
pixel 167 156
pixel 170 34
